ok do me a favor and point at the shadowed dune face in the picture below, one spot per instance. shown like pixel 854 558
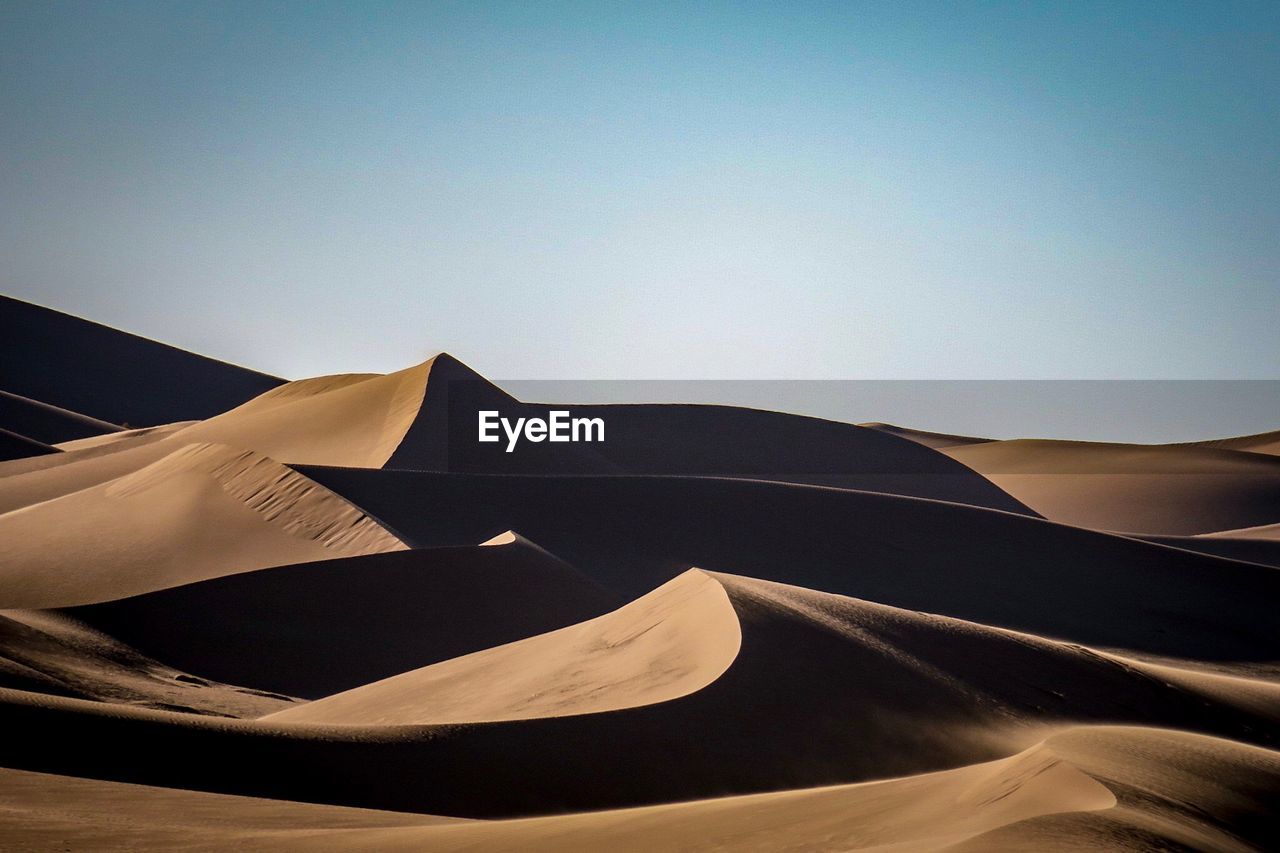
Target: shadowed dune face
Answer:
pixel 112 375
pixel 15 446
pixel 48 424
pixel 200 512
pixel 320 628
pixel 635 533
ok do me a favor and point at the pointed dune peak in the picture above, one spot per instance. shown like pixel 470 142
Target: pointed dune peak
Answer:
pixel 667 644
pixel 202 511
pixel 352 421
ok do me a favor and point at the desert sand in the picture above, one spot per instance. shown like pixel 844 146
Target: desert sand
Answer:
pixel 243 613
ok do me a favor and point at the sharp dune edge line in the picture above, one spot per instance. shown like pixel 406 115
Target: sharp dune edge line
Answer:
pixel 670 643
pixel 279 494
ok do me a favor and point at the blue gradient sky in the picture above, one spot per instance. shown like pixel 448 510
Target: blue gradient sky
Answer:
pixel 608 190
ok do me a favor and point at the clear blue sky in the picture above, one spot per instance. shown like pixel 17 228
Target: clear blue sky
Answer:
pixel 614 190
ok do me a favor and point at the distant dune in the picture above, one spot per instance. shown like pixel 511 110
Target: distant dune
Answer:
pixel 243 613
pixel 1170 489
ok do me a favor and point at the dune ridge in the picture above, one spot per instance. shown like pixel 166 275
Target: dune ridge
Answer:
pixel 664 645
pixel 201 511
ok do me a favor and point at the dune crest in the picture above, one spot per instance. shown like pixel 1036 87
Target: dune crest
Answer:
pixel 279 494
pixel 347 420
pixel 667 644
pixel 202 511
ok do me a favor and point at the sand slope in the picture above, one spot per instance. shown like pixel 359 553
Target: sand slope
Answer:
pixel 936 440
pixel 47 423
pixel 1263 442
pixel 200 512
pixel 673 641
pixel 1096 787
pixel 112 375
pixel 823 690
pixel 51 653
pixel 633 533
pixel 1170 490
pixel 315 629
pixel 15 446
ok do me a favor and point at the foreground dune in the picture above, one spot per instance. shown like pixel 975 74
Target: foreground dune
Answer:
pixel 1083 788
pixel 823 690
pixel 200 512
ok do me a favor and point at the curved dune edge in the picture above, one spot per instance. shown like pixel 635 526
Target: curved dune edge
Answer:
pixel 202 511
pixel 1264 532
pixel 1171 490
pixel 1092 786
pixel 1266 443
pixel 933 440
pixel 352 420
pixel 356 419
pixel 667 644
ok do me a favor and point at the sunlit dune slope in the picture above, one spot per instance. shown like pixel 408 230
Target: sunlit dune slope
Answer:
pixel 200 512
pixel 1170 489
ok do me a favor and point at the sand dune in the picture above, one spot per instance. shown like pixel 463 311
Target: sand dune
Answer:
pixel 936 440
pixel 1263 533
pixel 672 642
pixel 1263 442
pixel 112 375
pixel 1170 490
pixel 50 653
pixel 315 629
pixel 633 533
pixel 1261 549
pixel 202 511
pixel 933 808
pixel 15 446
pixel 47 423
pixel 1095 786
pixel 262 621
pixel 823 690
pixel 345 420
pixel 34 480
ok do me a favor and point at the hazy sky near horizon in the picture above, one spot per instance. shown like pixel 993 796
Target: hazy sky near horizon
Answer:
pixel 619 190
